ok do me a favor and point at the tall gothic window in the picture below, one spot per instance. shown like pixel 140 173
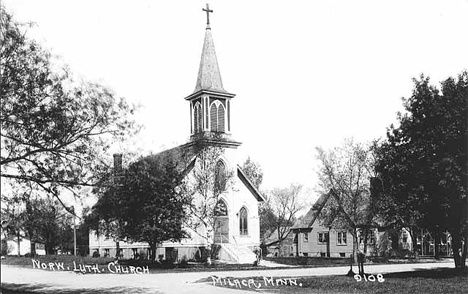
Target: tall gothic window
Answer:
pixel 243 221
pixel 220 176
pixel 217 117
pixel 197 117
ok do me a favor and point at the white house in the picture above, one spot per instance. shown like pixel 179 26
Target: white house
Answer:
pixel 21 247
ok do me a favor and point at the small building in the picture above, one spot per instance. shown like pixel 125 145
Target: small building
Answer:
pixel 273 245
pixel 21 247
pixel 312 237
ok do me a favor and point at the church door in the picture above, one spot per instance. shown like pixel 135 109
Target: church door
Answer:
pixel 221 229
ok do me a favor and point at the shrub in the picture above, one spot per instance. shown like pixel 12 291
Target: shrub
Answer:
pixel 167 264
pixel 183 263
pixel 6 249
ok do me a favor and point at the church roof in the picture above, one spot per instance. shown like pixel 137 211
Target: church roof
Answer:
pixel 209 76
pixel 248 183
pixel 185 156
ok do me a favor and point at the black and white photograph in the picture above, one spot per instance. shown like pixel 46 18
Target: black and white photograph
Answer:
pixel 233 146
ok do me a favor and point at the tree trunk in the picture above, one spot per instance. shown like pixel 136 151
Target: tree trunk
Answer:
pixel 414 242
pixel 465 249
pixel 463 255
pixel 353 257
pixel 456 242
pixel 32 249
pixel 395 241
pixel 117 249
pixel 436 245
pixel 279 242
pixel 18 238
pixel 457 248
pixel 153 252
pixel 355 247
pixel 366 234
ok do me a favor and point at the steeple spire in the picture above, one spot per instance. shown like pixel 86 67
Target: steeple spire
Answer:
pixel 209 76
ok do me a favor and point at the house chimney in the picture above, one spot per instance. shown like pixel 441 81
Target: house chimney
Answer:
pixel 117 164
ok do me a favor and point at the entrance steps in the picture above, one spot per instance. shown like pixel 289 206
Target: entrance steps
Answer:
pixel 237 253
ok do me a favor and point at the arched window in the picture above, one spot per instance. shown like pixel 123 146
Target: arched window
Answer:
pixel 243 229
pixel 220 177
pixel 217 117
pixel 221 208
pixel 197 117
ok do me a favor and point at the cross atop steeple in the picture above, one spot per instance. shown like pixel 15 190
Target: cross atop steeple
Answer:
pixel 208 11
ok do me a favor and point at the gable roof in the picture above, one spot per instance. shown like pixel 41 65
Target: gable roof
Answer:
pixel 185 157
pixel 273 237
pixel 308 220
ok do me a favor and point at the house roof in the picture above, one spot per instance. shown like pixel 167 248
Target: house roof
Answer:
pixel 273 237
pixel 308 220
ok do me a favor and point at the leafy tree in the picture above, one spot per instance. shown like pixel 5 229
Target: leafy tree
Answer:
pixel 345 172
pixel 254 171
pixel 55 130
pixel 283 205
pixel 146 204
pixel 42 220
pixel 12 218
pixel 268 219
pixel 423 163
pixel 47 222
pixel 106 215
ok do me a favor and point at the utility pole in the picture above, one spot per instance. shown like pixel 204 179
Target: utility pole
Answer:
pixel 74 232
pixel 72 208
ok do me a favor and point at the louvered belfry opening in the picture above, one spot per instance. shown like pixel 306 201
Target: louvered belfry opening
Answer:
pixel 197 118
pixel 217 117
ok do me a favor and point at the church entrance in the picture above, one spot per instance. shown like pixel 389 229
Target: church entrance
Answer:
pixel 221 225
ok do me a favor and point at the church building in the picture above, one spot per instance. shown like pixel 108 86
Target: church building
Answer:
pixel 237 226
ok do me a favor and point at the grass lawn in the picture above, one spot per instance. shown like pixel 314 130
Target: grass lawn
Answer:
pixel 71 263
pixel 423 281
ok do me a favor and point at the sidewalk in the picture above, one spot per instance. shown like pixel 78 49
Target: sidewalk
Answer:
pixel 42 281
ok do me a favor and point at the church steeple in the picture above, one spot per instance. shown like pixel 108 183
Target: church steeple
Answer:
pixel 210 110
pixel 209 77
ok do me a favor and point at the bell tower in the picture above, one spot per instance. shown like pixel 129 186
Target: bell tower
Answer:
pixel 210 104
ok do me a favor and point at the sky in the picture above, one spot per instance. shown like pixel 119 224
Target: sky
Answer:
pixel 305 73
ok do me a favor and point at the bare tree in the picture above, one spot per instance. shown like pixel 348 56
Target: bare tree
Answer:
pixel 209 180
pixel 345 172
pixel 285 203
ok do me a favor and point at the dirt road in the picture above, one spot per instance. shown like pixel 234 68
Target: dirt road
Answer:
pixel 43 281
